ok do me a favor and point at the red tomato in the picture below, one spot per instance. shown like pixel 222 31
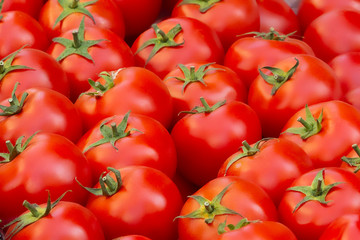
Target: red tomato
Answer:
pixel 248 53
pixel 215 82
pixel 292 83
pixel 58 16
pixel 132 237
pixel 327 45
pixel 317 198
pixel 138 140
pixel 225 198
pixel 144 203
pixel 344 227
pixel 190 41
pixel 104 51
pixel 32 68
pixel 351 160
pixel 270 163
pixel 327 138
pixel 31 7
pixel 47 161
pixel 229 18
pixel 20 30
pixel 206 138
pixel 133 88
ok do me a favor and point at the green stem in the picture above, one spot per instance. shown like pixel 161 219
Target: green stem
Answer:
pixel 74 4
pixel 209 208
pixel 192 73
pixel 318 191
pixel 356 149
pixel 32 208
pixel 164 37
pixel 2 67
pixel 206 105
pixel 77 42
pixel 246 145
pixel 304 123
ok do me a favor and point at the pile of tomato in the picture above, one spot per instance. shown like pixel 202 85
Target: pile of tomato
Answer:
pixel 179 119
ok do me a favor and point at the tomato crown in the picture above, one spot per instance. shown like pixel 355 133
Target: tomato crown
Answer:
pixel 15 150
pixel 206 107
pixel 101 89
pixel 15 105
pixel 353 162
pixel 242 223
pixel 204 5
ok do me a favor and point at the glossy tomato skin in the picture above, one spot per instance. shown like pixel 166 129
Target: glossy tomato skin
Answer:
pixel 204 140
pixel 106 14
pixel 344 227
pixel 340 129
pixel 201 43
pixel 314 81
pixel 132 237
pixel 68 220
pixel 45 72
pixel 20 29
pixel 274 167
pixel 327 45
pixel 31 7
pixel 229 18
pixel 50 162
pixel 146 204
pixel 108 55
pixel 152 146
pixel 247 54
pixel 311 219
pixel 136 89
pixel 242 196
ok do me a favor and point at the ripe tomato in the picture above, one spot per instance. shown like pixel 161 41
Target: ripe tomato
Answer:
pixel 351 161
pixel 31 7
pixel 344 227
pixel 132 237
pixel 229 18
pixel 176 41
pixel 317 198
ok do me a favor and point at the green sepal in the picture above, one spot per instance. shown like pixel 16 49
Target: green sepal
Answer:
pixel 353 162
pixel 15 105
pixel 191 75
pixel 311 126
pixel 36 213
pixel 209 209
pixel 317 191
pixel 15 150
pixel 1 16
pixel 206 108
pixel 108 185
pixel 278 77
pixel 204 5
pixel 242 223
pixel 161 40
pixel 113 133
pixel 271 35
pixel 74 6
pixel 6 67
pixel 101 89
pixel 78 45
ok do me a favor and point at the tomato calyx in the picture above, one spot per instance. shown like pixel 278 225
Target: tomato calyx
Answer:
pixel 271 35
pixel 206 107
pixel 204 5
pixel 36 212
pixel 101 89
pixel 108 185
pixel 161 40
pixel 15 150
pixel 78 45
pixel 317 191
pixel 311 126
pixel 242 223
pixel 74 6
pixel 1 6
pixel 278 77
pixel 113 133
pixel 209 209
pixel 15 105
pixel 353 162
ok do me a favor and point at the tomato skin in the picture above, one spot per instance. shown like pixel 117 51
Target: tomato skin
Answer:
pixel 204 141
pixel 327 45
pixel 311 218
pixel 146 204
pixel 313 82
pixel 344 227
pixel 50 162
pixel 67 220
pixel 201 43
pixel 229 18
pixel 274 167
pixel 31 7
pixel 242 196
pixel 132 237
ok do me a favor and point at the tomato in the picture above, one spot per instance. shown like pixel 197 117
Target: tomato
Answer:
pixel 176 41
pixel 327 45
pixel 248 53
pixel 142 200
pixel 317 198
pixel 204 139
pixel 99 50
pixel 32 68
pixel 229 18
pixel 59 16
pixel 351 160
pixel 344 227
pixel 225 198
pixel 20 29
pixel 57 220
pixel 132 237
pixel 215 82
pixel 133 88
pixel 332 127
pixel 129 139
pixel 270 163
pixel 31 7
pixel 287 86
pixel 46 161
